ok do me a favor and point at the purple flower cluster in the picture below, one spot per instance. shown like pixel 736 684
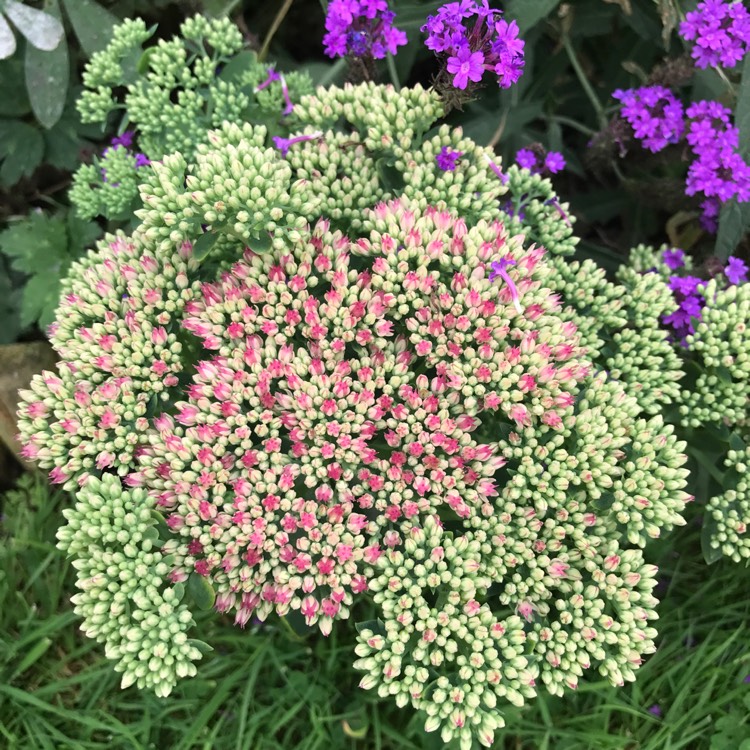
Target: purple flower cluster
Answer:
pixel 685 289
pixel 361 28
pixel 474 39
pixel 690 305
pixel 718 170
pixel 654 113
pixel 735 270
pixel 673 258
pixel 448 158
pixel 536 160
pixel 721 32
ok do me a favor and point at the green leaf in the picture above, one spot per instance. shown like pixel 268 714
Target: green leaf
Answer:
pixel 23 147
pixel 47 76
pixel 13 99
pixel 41 29
pixel 204 244
pixel 92 24
pixel 200 591
pixel 239 64
pixel 529 12
pixel 202 646
pixel 40 297
pixel 262 243
pixel 736 443
pixel 7 40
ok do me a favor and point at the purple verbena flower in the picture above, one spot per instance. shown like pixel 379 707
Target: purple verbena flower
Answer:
pixel 654 113
pixel 503 177
pixel 125 139
pixel 709 218
pixel 465 65
pixel 554 162
pixel 447 158
pixel 141 160
pixel 720 31
pixel 527 159
pixel 655 710
pixel 284 144
pixel 473 40
pixel 361 28
pixel 673 258
pixel 272 76
pixel 706 119
pixel 690 306
pixel 735 270
pixel 500 268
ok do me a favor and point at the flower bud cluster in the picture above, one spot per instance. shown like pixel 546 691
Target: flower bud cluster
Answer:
pixel 123 598
pixel 172 98
pixel 533 208
pixel 391 409
pixel 719 345
pixel 121 348
pixel 728 514
pixel 382 115
pixel 236 190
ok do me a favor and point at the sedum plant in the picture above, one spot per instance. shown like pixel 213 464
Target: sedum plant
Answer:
pixel 174 92
pixel 346 360
pixel 326 375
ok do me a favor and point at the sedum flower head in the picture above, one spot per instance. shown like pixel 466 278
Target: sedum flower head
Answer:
pixel 122 354
pixel 719 348
pixel 173 96
pixel 124 598
pixel 728 514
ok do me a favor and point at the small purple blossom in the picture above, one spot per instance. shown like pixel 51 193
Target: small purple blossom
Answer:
pixel 465 65
pixel 673 258
pixel 690 306
pixel 527 159
pixel 655 710
pixel 709 218
pixel 735 270
pixel 500 268
pixel 654 113
pixel 503 177
pixel 473 40
pixel 272 76
pixel 284 144
pixel 361 28
pixel 288 106
pixel 720 31
pixel 125 139
pixel 141 160
pixel 447 158
pixel 554 162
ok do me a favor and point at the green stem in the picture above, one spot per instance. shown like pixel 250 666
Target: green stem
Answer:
pixel 391 63
pixel 588 89
pixel 571 123
pixel 274 28
pixel 333 71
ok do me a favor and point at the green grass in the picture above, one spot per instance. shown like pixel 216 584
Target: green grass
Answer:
pixel 268 688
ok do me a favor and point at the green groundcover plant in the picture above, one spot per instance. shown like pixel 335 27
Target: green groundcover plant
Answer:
pixel 344 371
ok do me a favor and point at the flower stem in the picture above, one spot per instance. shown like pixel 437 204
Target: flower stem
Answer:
pixel 391 63
pixel 274 28
pixel 571 123
pixel 584 81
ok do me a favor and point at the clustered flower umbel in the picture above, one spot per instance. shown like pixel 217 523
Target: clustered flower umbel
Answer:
pixel 120 567
pixel 361 385
pixel 729 513
pixel 361 28
pixel 121 354
pixel 720 32
pixel 719 344
pixel 473 40
pixel 175 98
